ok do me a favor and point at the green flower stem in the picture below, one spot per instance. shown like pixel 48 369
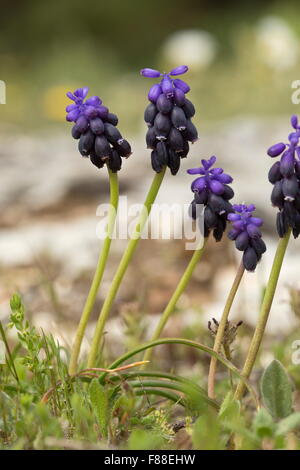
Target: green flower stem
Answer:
pixel 176 295
pixel 90 301
pixel 126 258
pixel 264 313
pixel 221 330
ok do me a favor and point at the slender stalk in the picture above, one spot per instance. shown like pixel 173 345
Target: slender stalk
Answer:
pixel 221 329
pixel 126 258
pixel 264 313
pixel 90 301
pixel 176 295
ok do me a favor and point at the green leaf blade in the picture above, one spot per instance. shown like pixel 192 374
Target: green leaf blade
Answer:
pixel 276 390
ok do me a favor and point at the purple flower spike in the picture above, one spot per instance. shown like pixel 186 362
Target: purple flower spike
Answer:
pixel 285 176
pixel 150 73
pixel 247 234
pixel 179 70
pixel 168 117
pixel 95 129
pixel 213 192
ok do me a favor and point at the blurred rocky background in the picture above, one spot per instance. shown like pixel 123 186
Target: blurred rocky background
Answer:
pixel 243 58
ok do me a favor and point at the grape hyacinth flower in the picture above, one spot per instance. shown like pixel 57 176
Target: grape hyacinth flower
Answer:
pixel 213 191
pixel 168 117
pixel 95 127
pixel 246 234
pixel 285 176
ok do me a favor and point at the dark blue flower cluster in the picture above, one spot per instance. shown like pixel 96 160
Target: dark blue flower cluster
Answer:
pixel 95 127
pixel 212 190
pixel 168 117
pixel 247 234
pixel 285 176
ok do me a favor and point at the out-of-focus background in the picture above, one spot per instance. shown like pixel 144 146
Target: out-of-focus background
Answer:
pixel 243 59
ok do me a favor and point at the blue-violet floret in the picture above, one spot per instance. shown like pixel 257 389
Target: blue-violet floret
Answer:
pixel 168 117
pixel 95 127
pixel 285 176
pixel 211 190
pixel 247 235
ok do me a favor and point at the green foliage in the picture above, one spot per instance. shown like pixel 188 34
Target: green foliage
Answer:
pixel 263 424
pixel 276 390
pixel 207 432
pixel 100 404
pixel 42 407
pixel 288 424
pixel 230 409
pixel 141 439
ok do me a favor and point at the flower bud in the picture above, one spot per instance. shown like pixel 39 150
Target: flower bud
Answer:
pixel 150 113
pixel 287 164
pixel 82 123
pixel 123 148
pixel 102 147
pixel 112 119
pixel 277 198
pixel 179 70
pixel 294 121
pixel 102 112
pixel 151 140
pixel 178 118
pixel 173 161
pixel 210 218
pixel 96 160
pixel 86 143
pixel 151 73
pixel 154 92
pixel 162 124
pixel 175 140
pixel 167 86
pixel 274 174
pixel 190 133
pixel 97 126
pixel 188 108
pixel 290 188
pixel 181 85
pixel 163 104
pixel 112 134
pixel 115 161
pixel 216 186
pixel 179 97
pixel 162 153
pixel 156 164
pixel 250 259
pixel 76 132
pixel 276 149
